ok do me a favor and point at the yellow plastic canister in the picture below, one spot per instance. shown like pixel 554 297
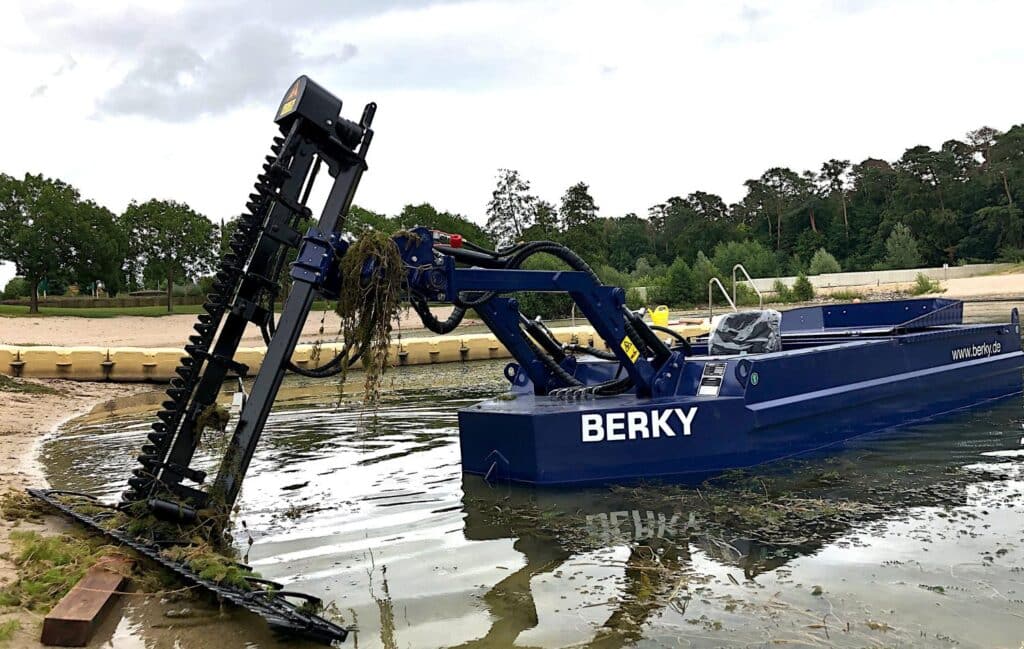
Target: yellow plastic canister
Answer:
pixel 660 316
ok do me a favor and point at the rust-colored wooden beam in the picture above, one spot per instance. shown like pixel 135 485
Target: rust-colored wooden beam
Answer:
pixel 75 617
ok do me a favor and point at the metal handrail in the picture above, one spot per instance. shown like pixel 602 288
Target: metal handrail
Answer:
pixel 725 294
pixel 760 298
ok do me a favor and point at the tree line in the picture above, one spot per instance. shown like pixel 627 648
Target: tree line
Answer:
pixel 955 204
pixel 56 238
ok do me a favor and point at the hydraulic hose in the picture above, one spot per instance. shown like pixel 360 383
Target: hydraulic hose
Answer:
pixel 430 321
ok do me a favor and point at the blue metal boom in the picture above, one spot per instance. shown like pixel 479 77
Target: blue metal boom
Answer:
pixel 603 306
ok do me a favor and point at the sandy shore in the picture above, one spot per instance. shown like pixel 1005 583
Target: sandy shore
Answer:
pixel 25 419
pixel 173 330
pixel 162 331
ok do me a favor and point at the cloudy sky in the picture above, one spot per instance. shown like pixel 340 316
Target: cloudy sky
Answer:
pixel 642 100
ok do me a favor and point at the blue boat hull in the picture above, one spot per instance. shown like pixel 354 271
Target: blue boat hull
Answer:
pixel 769 407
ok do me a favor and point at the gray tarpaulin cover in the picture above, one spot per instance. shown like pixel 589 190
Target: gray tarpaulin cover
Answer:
pixel 753 332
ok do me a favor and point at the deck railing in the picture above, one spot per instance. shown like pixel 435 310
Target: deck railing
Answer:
pixel 760 298
pixel 711 308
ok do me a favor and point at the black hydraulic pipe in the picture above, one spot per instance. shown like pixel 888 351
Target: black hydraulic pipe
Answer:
pixel 541 335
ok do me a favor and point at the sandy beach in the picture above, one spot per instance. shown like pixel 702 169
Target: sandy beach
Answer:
pixel 162 331
pixel 25 419
pixel 173 330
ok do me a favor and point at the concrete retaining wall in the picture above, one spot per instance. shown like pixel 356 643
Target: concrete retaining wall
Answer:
pixel 879 277
pixel 137 364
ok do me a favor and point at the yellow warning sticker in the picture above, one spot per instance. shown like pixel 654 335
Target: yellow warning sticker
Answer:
pixel 286 108
pixel 631 351
pixel 290 99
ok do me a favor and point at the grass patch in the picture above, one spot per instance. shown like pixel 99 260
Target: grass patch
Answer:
pixel 19 506
pixel 923 285
pixel 8 629
pixel 9 384
pixel 203 546
pixel 211 565
pixel 846 295
pixel 49 566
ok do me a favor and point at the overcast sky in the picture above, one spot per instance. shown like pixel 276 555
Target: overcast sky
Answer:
pixel 642 100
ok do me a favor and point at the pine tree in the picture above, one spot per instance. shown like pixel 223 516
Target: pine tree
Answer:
pixel 511 209
pixel 578 207
pixel 901 248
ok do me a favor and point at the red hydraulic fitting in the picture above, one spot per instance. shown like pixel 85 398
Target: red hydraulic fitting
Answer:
pixel 453 240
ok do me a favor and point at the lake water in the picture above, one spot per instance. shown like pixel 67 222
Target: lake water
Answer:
pixel 911 538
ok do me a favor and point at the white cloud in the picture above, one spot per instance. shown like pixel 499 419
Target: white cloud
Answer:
pixel 642 100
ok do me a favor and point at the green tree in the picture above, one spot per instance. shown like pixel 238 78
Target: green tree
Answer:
pixel 627 241
pixel 169 240
pixel 545 220
pixel 901 248
pixel 511 209
pixel 39 229
pixel 360 218
pixel 703 270
pixel 100 248
pixel 578 208
pixel 835 175
pixel 823 262
pixel 427 216
pixel 802 288
pixel 756 259
pixel 676 287
pixel 17 288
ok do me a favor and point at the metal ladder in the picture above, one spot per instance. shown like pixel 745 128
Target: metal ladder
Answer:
pixel 714 281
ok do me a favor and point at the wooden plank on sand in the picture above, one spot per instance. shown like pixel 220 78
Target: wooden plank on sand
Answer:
pixel 75 617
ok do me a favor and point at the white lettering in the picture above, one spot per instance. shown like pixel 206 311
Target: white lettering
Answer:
pixel 659 423
pixel 636 424
pixel 593 430
pixel 686 418
pixel 615 425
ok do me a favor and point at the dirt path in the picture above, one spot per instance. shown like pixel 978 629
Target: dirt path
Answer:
pixel 25 419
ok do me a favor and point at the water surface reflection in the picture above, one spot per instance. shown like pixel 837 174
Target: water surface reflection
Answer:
pixel 911 539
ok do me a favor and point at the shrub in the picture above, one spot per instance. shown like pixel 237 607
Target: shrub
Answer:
pixel 823 262
pixel 901 248
pixel 758 260
pixel 745 295
pixel 635 298
pixel 922 285
pixel 1011 255
pixel 802 289
pixel 17 287
pixel 206 284
pixel 546 305
pixel 846 295
pixel 782 292
pixel 614 277
pixel 674 287
pixel 702 272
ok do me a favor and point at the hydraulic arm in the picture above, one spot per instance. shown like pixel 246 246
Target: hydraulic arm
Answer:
pixel 313 135
pixel 433 266
pixel 437 267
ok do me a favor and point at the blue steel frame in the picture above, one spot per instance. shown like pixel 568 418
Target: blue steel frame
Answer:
pixel 603 306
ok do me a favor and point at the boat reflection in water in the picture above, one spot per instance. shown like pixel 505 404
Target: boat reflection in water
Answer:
pixel 876 543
